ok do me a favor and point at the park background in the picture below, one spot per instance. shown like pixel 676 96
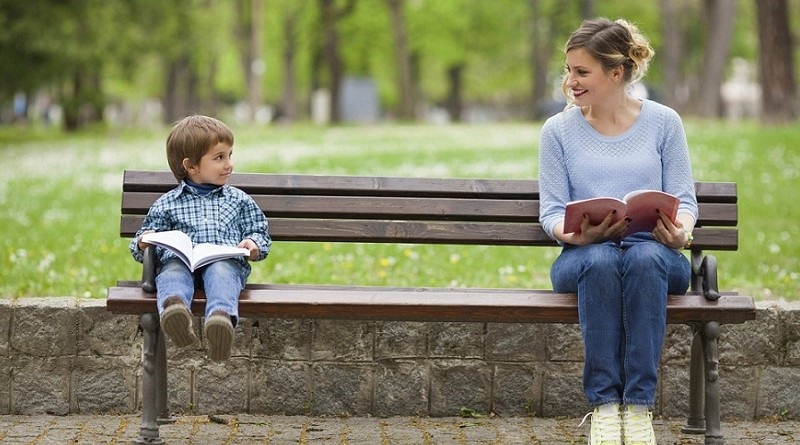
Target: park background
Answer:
pixel 445 88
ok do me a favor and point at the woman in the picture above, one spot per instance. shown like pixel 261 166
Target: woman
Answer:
pixel 608 143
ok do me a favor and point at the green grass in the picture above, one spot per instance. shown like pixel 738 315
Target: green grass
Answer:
pixel 59 204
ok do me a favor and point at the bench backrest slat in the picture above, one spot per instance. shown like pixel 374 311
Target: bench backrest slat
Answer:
pixel 411 210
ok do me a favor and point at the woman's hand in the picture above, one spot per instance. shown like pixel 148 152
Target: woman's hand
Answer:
pixel 591 234
pixel 671 234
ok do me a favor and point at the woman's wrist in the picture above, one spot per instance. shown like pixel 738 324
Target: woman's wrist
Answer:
pixel 689 238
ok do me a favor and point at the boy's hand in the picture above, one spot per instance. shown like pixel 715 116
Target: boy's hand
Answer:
pixel 250 245
pixel 139 242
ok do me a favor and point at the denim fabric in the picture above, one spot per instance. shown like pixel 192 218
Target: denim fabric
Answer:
pixel 622 298
pixel 222 282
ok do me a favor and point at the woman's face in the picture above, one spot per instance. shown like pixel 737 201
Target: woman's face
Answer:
pixel 586 80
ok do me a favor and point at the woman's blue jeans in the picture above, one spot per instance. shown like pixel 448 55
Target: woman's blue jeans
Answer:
pixel 221 280
pixel 622 305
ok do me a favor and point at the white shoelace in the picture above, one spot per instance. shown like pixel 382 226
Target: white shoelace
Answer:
pixel 605 427
pixel 638 428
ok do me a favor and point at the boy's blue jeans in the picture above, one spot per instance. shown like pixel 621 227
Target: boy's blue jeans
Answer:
pixel 221 280
pixel 622 300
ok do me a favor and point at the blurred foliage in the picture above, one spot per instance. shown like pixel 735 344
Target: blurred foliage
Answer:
pixel 102 52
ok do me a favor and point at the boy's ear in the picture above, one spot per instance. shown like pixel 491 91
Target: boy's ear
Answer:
pixel 188 166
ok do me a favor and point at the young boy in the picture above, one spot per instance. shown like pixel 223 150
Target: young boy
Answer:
pixel 199 150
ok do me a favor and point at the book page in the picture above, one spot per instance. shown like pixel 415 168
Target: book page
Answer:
pixel 174 240
pixel 206 253
pixel 642 206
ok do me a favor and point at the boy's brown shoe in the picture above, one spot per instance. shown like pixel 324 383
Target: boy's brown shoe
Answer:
pixel 218 331
pixel 176 321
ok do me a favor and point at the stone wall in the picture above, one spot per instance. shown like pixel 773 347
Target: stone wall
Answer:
pixel 67 356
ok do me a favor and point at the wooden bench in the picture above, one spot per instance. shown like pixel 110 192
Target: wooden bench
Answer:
pixel 501 212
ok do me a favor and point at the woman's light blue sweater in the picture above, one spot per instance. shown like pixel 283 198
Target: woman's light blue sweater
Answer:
pixel 577 162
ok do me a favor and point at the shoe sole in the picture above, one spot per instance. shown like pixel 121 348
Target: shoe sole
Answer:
pixel 219 334
pixel 176 321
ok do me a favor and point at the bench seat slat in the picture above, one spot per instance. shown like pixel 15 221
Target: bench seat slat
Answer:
pixel 423 304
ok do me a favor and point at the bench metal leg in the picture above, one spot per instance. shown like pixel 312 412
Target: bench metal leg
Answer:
pixel 151 381
pixel 696 423
pixel 712 409
pixel 162 396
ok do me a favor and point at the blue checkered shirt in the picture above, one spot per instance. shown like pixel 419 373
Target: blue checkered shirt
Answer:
pixel 226 215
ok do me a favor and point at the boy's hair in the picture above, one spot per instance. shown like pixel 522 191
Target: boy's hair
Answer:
pixel 191 138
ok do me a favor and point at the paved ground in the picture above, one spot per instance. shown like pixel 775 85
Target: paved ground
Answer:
pixel 251 429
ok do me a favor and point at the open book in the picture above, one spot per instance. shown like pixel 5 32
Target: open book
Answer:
pixel 194 257
pixel 640 206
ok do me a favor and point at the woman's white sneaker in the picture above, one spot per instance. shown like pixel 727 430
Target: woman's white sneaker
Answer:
pixel 637 426
pixel 606 425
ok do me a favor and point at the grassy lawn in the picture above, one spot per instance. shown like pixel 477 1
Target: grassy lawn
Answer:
pixel 59 204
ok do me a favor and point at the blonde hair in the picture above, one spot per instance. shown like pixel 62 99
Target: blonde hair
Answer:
pixel 191 138
pixel 612 43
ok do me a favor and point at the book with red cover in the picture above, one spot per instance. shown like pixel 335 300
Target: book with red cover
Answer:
pixel 640 206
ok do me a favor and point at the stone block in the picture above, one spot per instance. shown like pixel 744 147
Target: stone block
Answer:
pixel 564 343
pixel 518 342
pixel 101 333
pixel 778 393
pixel 563 390
pixel 6 307
pixel 343 340
pixel 280 387
pixel 790 320
pixel 738 387
pixel 457 384
pixel 517 389
pixel 401 388
pixel 221 388
pixel 103 385
pixel 756 342
pixel 180 385
pixel 341 389
pixel 282 339
pixel 451 340
pixel 5 386
pixel 41 385
pixel 677 345
pixel 672 397
pixel 400 339
pixel 45 327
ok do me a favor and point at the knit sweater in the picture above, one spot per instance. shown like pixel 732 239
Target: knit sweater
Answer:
pixel 576 162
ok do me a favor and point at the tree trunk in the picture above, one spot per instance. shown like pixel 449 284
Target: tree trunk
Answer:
pixel 176 97
pixel 249 27
pixel 454 102
pixel 256 71
pixel 288 108
pixel 776 64
pixel 330 15
pixel 405 87
pixel 720 15
pixel 672 53
pixel 539 57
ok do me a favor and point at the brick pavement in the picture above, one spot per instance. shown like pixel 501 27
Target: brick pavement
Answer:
pixel 284 430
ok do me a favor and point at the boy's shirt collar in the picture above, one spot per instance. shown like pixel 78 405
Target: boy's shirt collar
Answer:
pixel 199 189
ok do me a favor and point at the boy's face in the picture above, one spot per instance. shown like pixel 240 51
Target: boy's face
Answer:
pixel 215 166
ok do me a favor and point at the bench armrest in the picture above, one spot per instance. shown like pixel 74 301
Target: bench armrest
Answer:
pixel 149 270
pixel 704 270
